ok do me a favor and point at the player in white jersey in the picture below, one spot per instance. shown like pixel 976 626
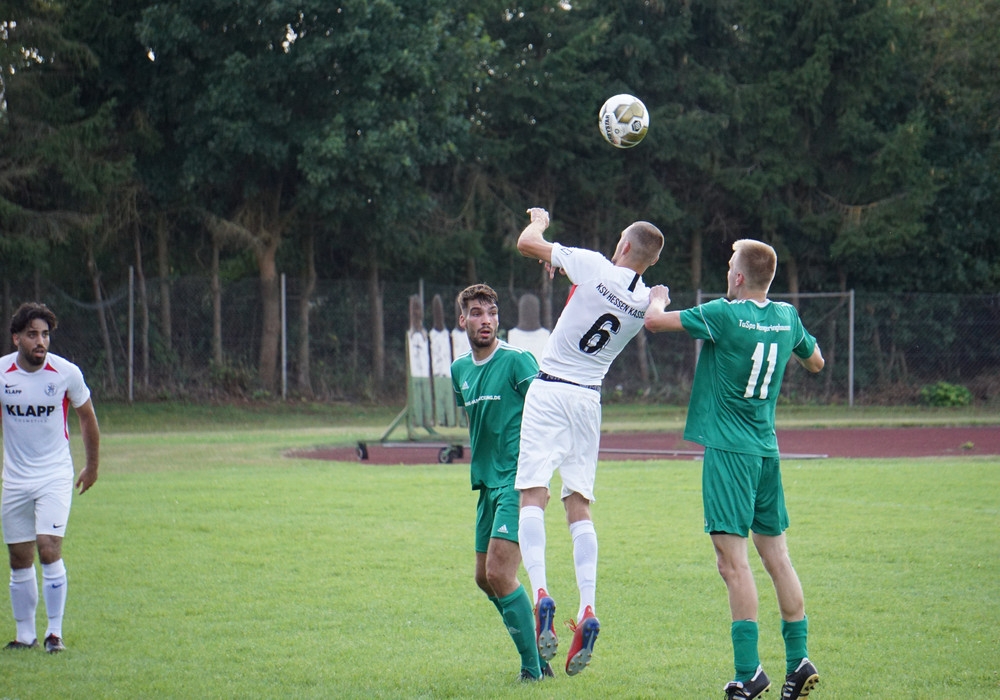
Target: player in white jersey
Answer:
pixel 38 389
pixel 561 425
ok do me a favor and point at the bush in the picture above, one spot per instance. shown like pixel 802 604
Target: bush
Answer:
pixel 945 394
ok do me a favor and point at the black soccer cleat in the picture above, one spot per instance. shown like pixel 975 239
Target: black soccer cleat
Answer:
pixel 16 645
pixel 526 677
pixel 54 644
pixel 800 682
pixel 747 690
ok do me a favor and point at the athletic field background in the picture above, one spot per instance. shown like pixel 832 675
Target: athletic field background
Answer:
pixel 207 564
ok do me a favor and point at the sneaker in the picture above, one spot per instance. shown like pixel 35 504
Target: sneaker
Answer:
pixel 545 633
pixel 547 670
pixel 800 682
pixel 746 690
pixel 12 646
pixel 54 644
pixel 582 647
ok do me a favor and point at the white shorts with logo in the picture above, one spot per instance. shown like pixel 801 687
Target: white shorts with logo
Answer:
pixel 560 429
pixel 40 508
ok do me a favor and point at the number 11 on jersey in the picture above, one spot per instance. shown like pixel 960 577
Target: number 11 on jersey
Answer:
pixel 758 361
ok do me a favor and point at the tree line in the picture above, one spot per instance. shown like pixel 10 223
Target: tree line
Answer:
pixel 398 140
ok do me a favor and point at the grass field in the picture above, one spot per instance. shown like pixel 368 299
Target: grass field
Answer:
pixel 204 564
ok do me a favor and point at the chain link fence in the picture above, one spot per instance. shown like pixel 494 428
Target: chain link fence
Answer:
pixel 895 349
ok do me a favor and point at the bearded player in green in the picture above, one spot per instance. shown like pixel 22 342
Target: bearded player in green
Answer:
pixel 490 383
pixel 748 341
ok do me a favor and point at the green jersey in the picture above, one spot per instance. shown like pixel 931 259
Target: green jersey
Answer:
pixel 492 392
pixel 738 377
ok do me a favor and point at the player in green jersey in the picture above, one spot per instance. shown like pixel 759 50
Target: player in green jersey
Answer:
pixel 748 341
pixel 490 383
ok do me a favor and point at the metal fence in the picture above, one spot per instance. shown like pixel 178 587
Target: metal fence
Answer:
pixel 901 343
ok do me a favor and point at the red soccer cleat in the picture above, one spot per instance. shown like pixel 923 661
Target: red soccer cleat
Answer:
pixel 584 635
pixel 545 633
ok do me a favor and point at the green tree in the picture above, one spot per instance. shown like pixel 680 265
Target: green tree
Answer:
pixel 64 178
pixel 827 151
pixel 311 109
pixel 960 90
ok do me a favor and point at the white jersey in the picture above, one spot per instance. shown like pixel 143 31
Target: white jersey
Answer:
pixel 420 359
pixel 532 341
pixel 605 310
pixel 440 353
pixel 459 343
pixel 35 407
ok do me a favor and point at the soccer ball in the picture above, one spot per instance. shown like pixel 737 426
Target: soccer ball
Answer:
pixel 623 121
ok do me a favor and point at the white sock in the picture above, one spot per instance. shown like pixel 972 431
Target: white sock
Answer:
pixel 54 591
pixel 531 537
pixel 585 561
pixel 24 602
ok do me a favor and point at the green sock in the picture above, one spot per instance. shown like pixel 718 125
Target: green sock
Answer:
pixel 496 603
pixel 795 635
pixel 746 658
pixel 519 617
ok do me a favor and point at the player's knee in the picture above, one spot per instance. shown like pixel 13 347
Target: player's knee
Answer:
pixel 49 549
pixel 498 579
pixel 484 584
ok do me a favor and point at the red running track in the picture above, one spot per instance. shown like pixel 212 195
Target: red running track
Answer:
pixel 795 443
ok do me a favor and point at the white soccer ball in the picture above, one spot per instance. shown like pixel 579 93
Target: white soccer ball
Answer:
pixel 623 121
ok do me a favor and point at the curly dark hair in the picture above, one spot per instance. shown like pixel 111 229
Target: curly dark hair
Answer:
pixel 28 312
pixel 481 292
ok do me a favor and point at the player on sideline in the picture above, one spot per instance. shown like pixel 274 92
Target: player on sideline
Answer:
pixel 749 340
pixel 562 412
pixel 490 382
pixel 38 388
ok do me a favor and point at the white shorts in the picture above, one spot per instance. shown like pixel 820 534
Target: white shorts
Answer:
pixel 36 509
pixel 560 429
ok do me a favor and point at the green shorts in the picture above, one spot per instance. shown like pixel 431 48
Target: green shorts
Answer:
pixel 497 515
pixel 742 493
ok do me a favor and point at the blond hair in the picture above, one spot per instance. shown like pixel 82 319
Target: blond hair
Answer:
pixel 757 261
pixel 646 240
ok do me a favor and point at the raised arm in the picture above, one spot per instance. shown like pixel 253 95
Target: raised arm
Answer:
pixel 531 243
pixel 657 318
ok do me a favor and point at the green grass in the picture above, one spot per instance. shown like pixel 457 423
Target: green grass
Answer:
pixel 204 564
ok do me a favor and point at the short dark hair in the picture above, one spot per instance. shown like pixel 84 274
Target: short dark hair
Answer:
pixel 28 312
pixel 483 292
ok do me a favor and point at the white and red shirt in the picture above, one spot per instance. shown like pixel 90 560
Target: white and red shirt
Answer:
pixel 35 409
pixel 604 312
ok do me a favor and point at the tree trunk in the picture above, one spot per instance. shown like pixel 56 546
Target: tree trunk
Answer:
pixel 377 325
pixel 696 255
pixel 270 296
pixel 7 311
pixel 216 285
pixel 143 312
pixel 163 270
pixel 792 266
pixel 548 313
pixel 642 357
pixel 102 319
pixel 305 299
